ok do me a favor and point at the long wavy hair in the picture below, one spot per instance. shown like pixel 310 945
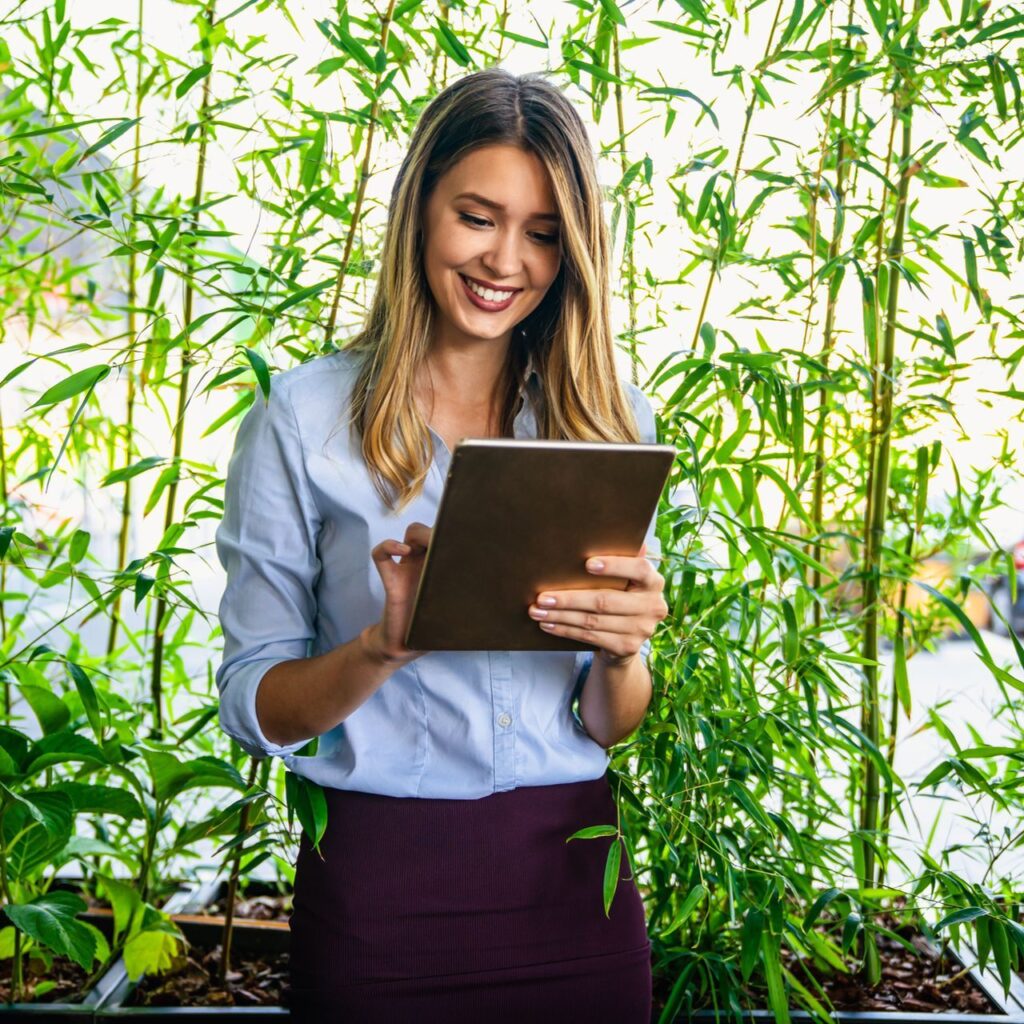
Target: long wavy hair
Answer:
pixel 568 335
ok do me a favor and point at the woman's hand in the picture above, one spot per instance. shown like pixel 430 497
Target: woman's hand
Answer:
pixel 617 622
pixel 400 579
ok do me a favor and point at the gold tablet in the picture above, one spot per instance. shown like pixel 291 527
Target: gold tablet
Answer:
pixel 520 516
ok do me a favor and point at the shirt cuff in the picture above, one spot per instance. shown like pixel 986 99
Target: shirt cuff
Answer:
pixel 238 710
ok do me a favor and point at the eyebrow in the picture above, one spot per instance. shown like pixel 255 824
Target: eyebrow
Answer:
pixel 484 201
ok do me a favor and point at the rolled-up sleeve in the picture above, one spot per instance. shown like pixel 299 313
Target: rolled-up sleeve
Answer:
pixel 267 544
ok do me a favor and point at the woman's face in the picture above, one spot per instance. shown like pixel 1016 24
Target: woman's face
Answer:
pixel 491 242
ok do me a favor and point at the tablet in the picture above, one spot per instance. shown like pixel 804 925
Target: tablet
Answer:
pixel 520 516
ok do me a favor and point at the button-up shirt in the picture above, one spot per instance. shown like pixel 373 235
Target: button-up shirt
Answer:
pixel 301 516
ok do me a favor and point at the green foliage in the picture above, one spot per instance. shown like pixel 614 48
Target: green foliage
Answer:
pixel 815 320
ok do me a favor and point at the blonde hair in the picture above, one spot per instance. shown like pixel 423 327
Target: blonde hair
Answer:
pixel 568 335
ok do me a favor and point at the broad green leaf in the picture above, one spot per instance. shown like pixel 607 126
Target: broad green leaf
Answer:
pixel 153 951
pixel 51 712
pixel 50 920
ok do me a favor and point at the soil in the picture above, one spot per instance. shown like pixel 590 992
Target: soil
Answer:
pixel 918 983
pixel 256 979
pixel 70 980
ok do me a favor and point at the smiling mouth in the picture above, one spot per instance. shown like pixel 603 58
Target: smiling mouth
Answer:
pixel 490 299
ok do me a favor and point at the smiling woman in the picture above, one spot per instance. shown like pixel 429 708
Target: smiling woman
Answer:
pixel 490 319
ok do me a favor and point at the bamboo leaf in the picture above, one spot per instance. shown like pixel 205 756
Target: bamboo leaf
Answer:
pixel 194 76
pixel 611 874
pixel 451 44
pixel 78 382
pixel 112 135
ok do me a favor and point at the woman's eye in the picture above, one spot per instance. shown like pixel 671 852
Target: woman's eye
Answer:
pixel 479 222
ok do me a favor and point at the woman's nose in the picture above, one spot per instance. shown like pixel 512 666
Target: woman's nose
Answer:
pixel 504 258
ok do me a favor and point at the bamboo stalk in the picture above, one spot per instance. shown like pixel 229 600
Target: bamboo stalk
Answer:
pixel 627 246
pixel 126 505
pixel 875 525
pixel 186 361
pixel 364 177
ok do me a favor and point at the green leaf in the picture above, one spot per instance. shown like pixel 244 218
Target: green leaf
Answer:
pixel 90 702
pixel 750 941
pixel 78 382
pixel 152 951
pixel 50 711
pixel 819 905
pixel 611 8
pixel 450 43
pixel 259 367
pixel 593 831
pixel 127 472
pixel 899 672
pixel 693 897
pixel 313 157
pixel 595 71
pixel 960 917
pixel 87 798
pixel 108 137
pixel 195 75
pixel 611 874
pixel 307 801
pixel 1001 954
pixel 125 902
pixel 50 920
pixel 771 962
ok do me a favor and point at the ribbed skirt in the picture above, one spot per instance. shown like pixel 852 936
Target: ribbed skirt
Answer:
pixel 425 910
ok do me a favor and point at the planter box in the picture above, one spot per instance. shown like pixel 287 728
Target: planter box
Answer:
pixel 205 932
pixel 85 1010
pixel 215 891
pixel 1008 1009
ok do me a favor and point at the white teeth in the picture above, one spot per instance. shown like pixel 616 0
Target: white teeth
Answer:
pixel 487 293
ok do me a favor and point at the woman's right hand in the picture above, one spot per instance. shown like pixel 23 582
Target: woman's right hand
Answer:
pixel 401 580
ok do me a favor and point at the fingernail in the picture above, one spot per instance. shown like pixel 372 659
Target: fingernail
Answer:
pixel 595 565
pixel 538 612
pixel 549 601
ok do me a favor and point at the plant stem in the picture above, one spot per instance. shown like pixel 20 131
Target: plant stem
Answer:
pixel 236 866
pixel 186 361
pixel 364 177
pixel 126 506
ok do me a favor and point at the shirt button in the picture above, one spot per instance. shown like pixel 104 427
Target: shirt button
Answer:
pixel 504 719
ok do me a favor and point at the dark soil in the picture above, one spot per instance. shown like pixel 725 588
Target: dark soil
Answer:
pixel 67 978
pixel 256 979
pixel 918 983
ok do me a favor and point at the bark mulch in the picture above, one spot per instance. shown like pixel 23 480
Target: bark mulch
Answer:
pixel 256 979
pixel 42 984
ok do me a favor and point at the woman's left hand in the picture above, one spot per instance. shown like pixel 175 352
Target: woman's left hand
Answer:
pixel 617 622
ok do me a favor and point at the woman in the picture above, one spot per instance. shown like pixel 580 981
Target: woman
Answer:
pixel 444 888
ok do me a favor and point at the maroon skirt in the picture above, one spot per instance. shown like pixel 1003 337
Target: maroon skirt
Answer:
pixel 428 910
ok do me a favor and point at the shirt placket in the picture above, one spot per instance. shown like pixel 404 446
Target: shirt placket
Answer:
pixel 504 720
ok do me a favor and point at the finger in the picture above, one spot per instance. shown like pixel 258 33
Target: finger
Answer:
pixel 614 643
pixel 418 535
pixel 388 549
pixel 604 601
pixel 636 569
pixel 592 621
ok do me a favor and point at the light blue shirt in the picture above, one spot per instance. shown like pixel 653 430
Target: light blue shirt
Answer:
pixel 301 516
